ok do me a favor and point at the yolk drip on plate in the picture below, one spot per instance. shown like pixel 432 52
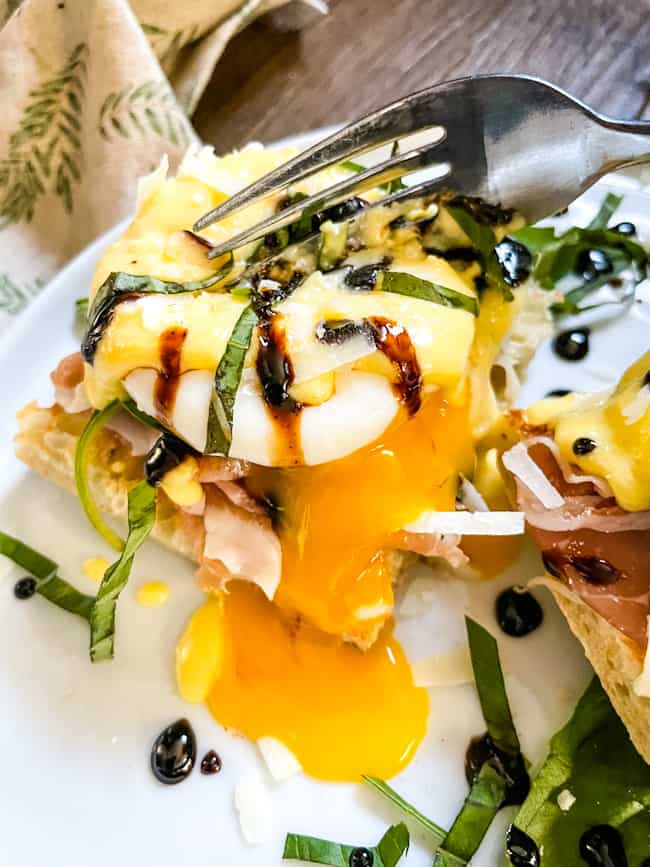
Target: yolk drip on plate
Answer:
pixel 283 669
pixel 340 710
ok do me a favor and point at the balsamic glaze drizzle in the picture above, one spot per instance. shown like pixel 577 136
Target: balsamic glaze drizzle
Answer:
pixel 602 846
pixel 572 345
pixel 173 753
pixel 558 392
pixel 166 386
pixel 482 750
pixel 165 454
pixel 518 613
pixel 100 322
pixel 25 587
pixel 395 343
pixel 521 849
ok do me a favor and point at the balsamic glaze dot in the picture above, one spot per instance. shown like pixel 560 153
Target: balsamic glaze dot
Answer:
pixel 25 587
pixel 342 211
pixel 515 260
pixel 521 849
pixel 591 264
pixel 481 751
pixel 558 392
pixel 595 570
pixel 361 857
pixel 211 763
pixel 625 228
pixel 572 345
pixel 165 454
pixel 518 614
pixel 583 446
pixel 173 753
pixel 646 379
pixel 602 846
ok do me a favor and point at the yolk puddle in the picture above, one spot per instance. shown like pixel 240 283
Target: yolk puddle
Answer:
pixel 341 711
pixel 336 520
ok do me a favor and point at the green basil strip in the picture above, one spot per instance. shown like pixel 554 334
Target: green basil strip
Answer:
pixel 226 384
pixel 476 815
pixel 606 211
pixel 386 853
pixel 391 795
pixel 593 759
pixel 391 187
pixel 139 415
pixel 48 584
pixel 96 422
pixel 142 514
pixel 415 287
pixel 81 315
pixel 484 239
pixel 491 688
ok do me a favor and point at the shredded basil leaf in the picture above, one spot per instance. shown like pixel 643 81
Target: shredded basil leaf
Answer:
pixel 142 514
pixel 48 584
pixel 391 795
pixel 386 853
pixel 484 239
pixel 470 826
pixel 96 422
pixel 392 186
pixel 406 284
pixel 490 685
pixel 133 409
pixel 81 316
pixel 608 208
pixel 593 758
pixel 226 383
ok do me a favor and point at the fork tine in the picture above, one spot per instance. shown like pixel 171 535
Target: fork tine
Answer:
pixel 403 117
pixel 389 170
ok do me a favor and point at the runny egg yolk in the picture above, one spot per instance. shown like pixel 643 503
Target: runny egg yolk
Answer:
pixel 282 669
pixel 338 521
pixel 341 711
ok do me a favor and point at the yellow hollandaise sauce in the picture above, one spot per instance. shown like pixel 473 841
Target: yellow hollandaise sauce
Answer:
pixel 340 710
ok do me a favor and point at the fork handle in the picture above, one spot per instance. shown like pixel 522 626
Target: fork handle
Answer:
pixel 620 143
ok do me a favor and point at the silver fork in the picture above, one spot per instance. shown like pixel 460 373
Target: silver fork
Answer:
pixel 510 139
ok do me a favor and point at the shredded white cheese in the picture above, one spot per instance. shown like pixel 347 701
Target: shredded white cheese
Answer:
pixel 443 669
pixel 520 464
pixel 279 759
pixel 469 523
pixel 253 806
pixel 566 800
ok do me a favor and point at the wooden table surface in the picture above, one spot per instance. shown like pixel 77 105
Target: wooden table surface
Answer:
pixel 271 83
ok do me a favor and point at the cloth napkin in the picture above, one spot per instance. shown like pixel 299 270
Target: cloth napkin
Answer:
pixel 93 93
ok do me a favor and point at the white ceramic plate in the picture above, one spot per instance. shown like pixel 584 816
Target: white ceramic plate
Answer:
pixel 75 786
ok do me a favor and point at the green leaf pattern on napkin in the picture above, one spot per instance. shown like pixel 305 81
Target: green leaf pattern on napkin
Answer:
pixel 146 109
pixel 44 152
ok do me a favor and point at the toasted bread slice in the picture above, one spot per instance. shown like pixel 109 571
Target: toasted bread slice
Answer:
pixel 616 659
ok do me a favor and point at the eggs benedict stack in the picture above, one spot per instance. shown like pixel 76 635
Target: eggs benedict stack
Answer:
pixel 307 410
pixel 582 473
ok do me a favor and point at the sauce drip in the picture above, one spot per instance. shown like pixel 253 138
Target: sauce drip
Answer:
pixel 165 454
pixel 515 260
pixel 211 763
pixel 395 343
pixel 572 345
pixel 521 849
pixel 25 587
pixel 518 613
pixel 275 371
pixel 173 753
pixel 361 857
pixel 482 750
pixel 168 379
pixel 602 846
